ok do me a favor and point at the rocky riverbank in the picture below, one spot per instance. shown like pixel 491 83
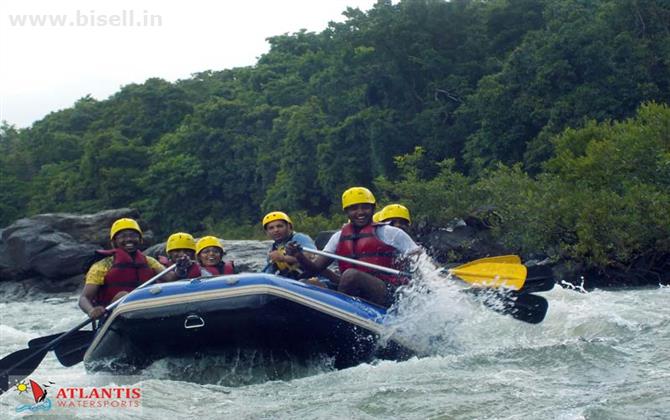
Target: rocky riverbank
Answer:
pixel 51 252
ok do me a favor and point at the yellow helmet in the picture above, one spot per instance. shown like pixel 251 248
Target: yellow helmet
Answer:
pixel 180 240
pixel 276 215
pixel 357 195
pixel 207 241
pixel 395 211
pixel 122 224
pixel 376 218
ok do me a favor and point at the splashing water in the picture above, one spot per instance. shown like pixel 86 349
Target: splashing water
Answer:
pixel 432 300
pixel 243 368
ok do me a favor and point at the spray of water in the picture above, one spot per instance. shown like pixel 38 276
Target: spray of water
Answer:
pixel 429 312
pixel 238 368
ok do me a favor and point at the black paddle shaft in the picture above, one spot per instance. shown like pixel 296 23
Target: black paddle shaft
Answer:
pixel 520 305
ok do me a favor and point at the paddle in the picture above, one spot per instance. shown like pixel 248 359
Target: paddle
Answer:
pixel 488 272
pixel 522 306
pixel 24 362
pixel 539 278
pixel 69 352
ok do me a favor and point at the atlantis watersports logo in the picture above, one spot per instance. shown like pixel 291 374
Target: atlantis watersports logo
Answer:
pixel 39 395
pixel 76 397
pixel 112 397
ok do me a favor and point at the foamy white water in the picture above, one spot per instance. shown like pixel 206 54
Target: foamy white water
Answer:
pixel 597 355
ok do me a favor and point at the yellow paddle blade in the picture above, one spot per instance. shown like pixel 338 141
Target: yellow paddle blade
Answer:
pixel 492 274
pixel 503 259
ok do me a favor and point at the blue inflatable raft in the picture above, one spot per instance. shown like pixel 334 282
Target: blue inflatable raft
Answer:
pixel 246 312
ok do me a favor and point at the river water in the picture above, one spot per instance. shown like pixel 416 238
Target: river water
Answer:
pixel 597 355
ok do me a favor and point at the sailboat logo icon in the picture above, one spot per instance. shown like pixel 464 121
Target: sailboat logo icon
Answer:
pixel 38 392
pixel 42 403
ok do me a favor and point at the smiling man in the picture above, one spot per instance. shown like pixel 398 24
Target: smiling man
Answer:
pixel 122 269
pixel 366 241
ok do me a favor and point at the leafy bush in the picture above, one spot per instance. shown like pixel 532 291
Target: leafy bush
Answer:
pixel 604 199
pixel 434 200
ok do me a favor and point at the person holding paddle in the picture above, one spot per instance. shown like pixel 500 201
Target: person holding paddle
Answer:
pixel 181 249
pixel 278 226
pixel 362 239
pixel 121 269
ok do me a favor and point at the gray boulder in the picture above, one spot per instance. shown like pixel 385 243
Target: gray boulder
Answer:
pixel 248 255
pixel 89 228
pixel 57 246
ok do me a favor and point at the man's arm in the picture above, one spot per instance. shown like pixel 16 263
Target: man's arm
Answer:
pixel 155 265
pixel 86 299
pixel 95 279
pixel 313 266
pixel 304 241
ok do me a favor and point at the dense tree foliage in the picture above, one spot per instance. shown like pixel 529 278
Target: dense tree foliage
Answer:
pixel 448 106
pixel 603 198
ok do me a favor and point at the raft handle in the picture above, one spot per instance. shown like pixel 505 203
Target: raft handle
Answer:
pixel 194 321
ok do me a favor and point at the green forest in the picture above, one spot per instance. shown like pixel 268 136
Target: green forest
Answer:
pixel 552 112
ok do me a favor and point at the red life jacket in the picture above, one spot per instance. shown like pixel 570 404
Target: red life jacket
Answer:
pixel 124 275
pixel 194 271
pixel 224 267
pixel 364 245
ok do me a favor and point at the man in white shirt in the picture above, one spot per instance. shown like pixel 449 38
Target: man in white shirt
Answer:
pixel 363 240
